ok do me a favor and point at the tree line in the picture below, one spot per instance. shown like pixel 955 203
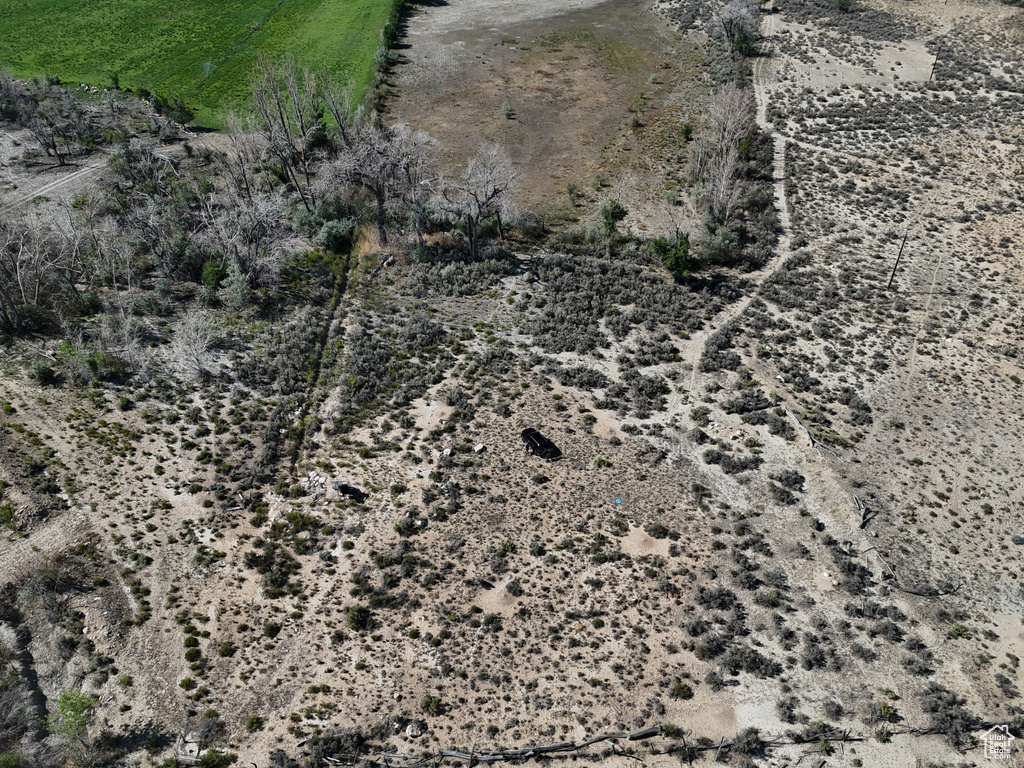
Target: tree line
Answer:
pixel 307 165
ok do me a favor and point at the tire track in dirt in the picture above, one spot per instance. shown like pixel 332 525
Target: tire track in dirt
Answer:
pixel 81 173
pixel 309 403
pixel 912 352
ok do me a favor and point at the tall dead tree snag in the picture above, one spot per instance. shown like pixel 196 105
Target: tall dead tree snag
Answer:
pixel 287 103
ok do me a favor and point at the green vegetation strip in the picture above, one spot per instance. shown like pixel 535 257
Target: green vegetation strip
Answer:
pixel 196 50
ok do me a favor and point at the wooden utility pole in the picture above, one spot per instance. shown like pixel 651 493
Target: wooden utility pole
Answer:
pixel 898 257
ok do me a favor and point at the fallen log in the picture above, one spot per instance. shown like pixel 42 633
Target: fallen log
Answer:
pixel 646 733
pixel 866 513
pixel 562 746
pixel 457 755
pixel 607 737
pixel 931 592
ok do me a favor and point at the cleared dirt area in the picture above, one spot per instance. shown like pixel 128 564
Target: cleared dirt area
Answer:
pixel 25 183
pixel 564 87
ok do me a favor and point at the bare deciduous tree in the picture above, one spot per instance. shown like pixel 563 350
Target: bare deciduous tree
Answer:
pixel 39 267
pixel 287 103
pixel 194 336
pixel 11 284
pixel 120 335
pixel 715 162
pixel 730 117
pixel 118 262
pixel 171 234
pixel 247 148
pixel 380 160
pixel 149 172
pixel 250 233
pixel 737 24
pixel 98 249
pixel 481 193
pixel 56 119
pixel 337 100
pixel 417 173
pixel 371 157
pixel 715 154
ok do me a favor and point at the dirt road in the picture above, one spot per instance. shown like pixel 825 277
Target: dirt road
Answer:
pixel 72 177
pixel 488 15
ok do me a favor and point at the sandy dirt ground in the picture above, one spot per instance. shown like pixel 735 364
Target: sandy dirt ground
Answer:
pixel 40 181
pixel 591 643
pixel 558 91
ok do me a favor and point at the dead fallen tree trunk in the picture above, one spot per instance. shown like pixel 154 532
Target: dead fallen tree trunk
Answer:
pixel 866 513
pixel 927 591
pixel 646 733
pixel 815 443
pixel 689 750
pixel 606 737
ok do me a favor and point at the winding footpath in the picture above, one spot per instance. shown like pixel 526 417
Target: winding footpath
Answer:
pixel 763 70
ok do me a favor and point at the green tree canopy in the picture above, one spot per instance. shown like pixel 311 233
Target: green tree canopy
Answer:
pixel 72 717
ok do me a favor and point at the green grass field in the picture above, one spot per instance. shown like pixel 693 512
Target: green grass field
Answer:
pixel 199 50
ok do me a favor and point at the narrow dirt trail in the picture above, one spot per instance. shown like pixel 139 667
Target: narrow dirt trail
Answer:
pixel 762 72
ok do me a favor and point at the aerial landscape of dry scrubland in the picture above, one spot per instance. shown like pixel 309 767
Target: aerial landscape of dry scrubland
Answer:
pixel 755 271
